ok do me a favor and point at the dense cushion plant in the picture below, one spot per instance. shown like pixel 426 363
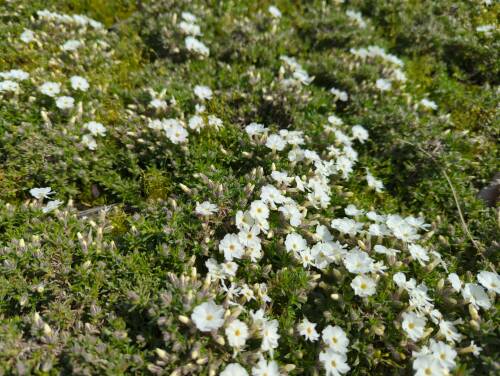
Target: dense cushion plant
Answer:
pixel 235 188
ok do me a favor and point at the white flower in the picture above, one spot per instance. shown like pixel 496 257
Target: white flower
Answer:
pixel 383 84
pixel 428 365
pixel 346 226
pixel 306 258
pixel 275 12
pixel 65 102
pixel 229 268
pixel 255 253
pixel 199 108
pixel 15 74
pixel 234 369
pixel 259 210
pixel 265 368
pixel 203 92
pixel 359 133
pixel 344 165
pixel 399 225
pixel 247 292
pixel 270 336
pixel 196 122
pixel 455 281
pixel 244 220
pixel 51 205
pixel 189 28
pixel 358 262
pixel 214 121
pixel 400 280
pixel 292 137
pixel 356 17
pixel 176 134
pixel 486 29
pixel 79 83
pixel 231 247
pixel 158 104
pixel 374 183
pixel 363 286
pixel 206 208
pixel 335 338
pixel 489 280
pixel 275 142
pixel 324 254
pixel 378 229
pixel 414 325
pixel 341 136
pixel 250 237
pixel 8 85
pixel 323 234
pixel 444 354
pixel 335 120
pixel 339 94
pixel 475 349
pixel 448 331
pixel 27 36
pixel 155 124
pixel 237 333
pixel 208 316
pixel 418 253
pixel 254 129
pixel 352 211
pixel 50 88
pixel 375 217
pixel 417 223
pixel 308 330
pixel 89 142
pixel 419 298
pixel 71 45
pixel 295 243
pixel 476 295
pixel 271 195
pixel 97 129
pixel 335 364
pixel 292 212
pixel 41 193
pixel 281 177
pixel 428 104
pixel 188 17
pixel 214 269
pixel 194 45
pixel 302 76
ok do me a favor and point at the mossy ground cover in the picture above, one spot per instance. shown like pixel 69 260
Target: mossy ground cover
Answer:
pixel 109 281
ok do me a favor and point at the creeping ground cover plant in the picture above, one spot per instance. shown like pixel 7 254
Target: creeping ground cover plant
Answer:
pixel 249 188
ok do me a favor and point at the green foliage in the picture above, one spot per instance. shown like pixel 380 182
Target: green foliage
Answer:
pixel 111 285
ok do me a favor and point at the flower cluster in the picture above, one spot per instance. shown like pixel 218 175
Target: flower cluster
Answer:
pixel 234 204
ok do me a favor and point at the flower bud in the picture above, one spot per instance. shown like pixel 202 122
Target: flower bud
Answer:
pixel 473 312
pixel 474 324
pixel 219 339
pixel 289 367
pixel 162 354
pixel 47 330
